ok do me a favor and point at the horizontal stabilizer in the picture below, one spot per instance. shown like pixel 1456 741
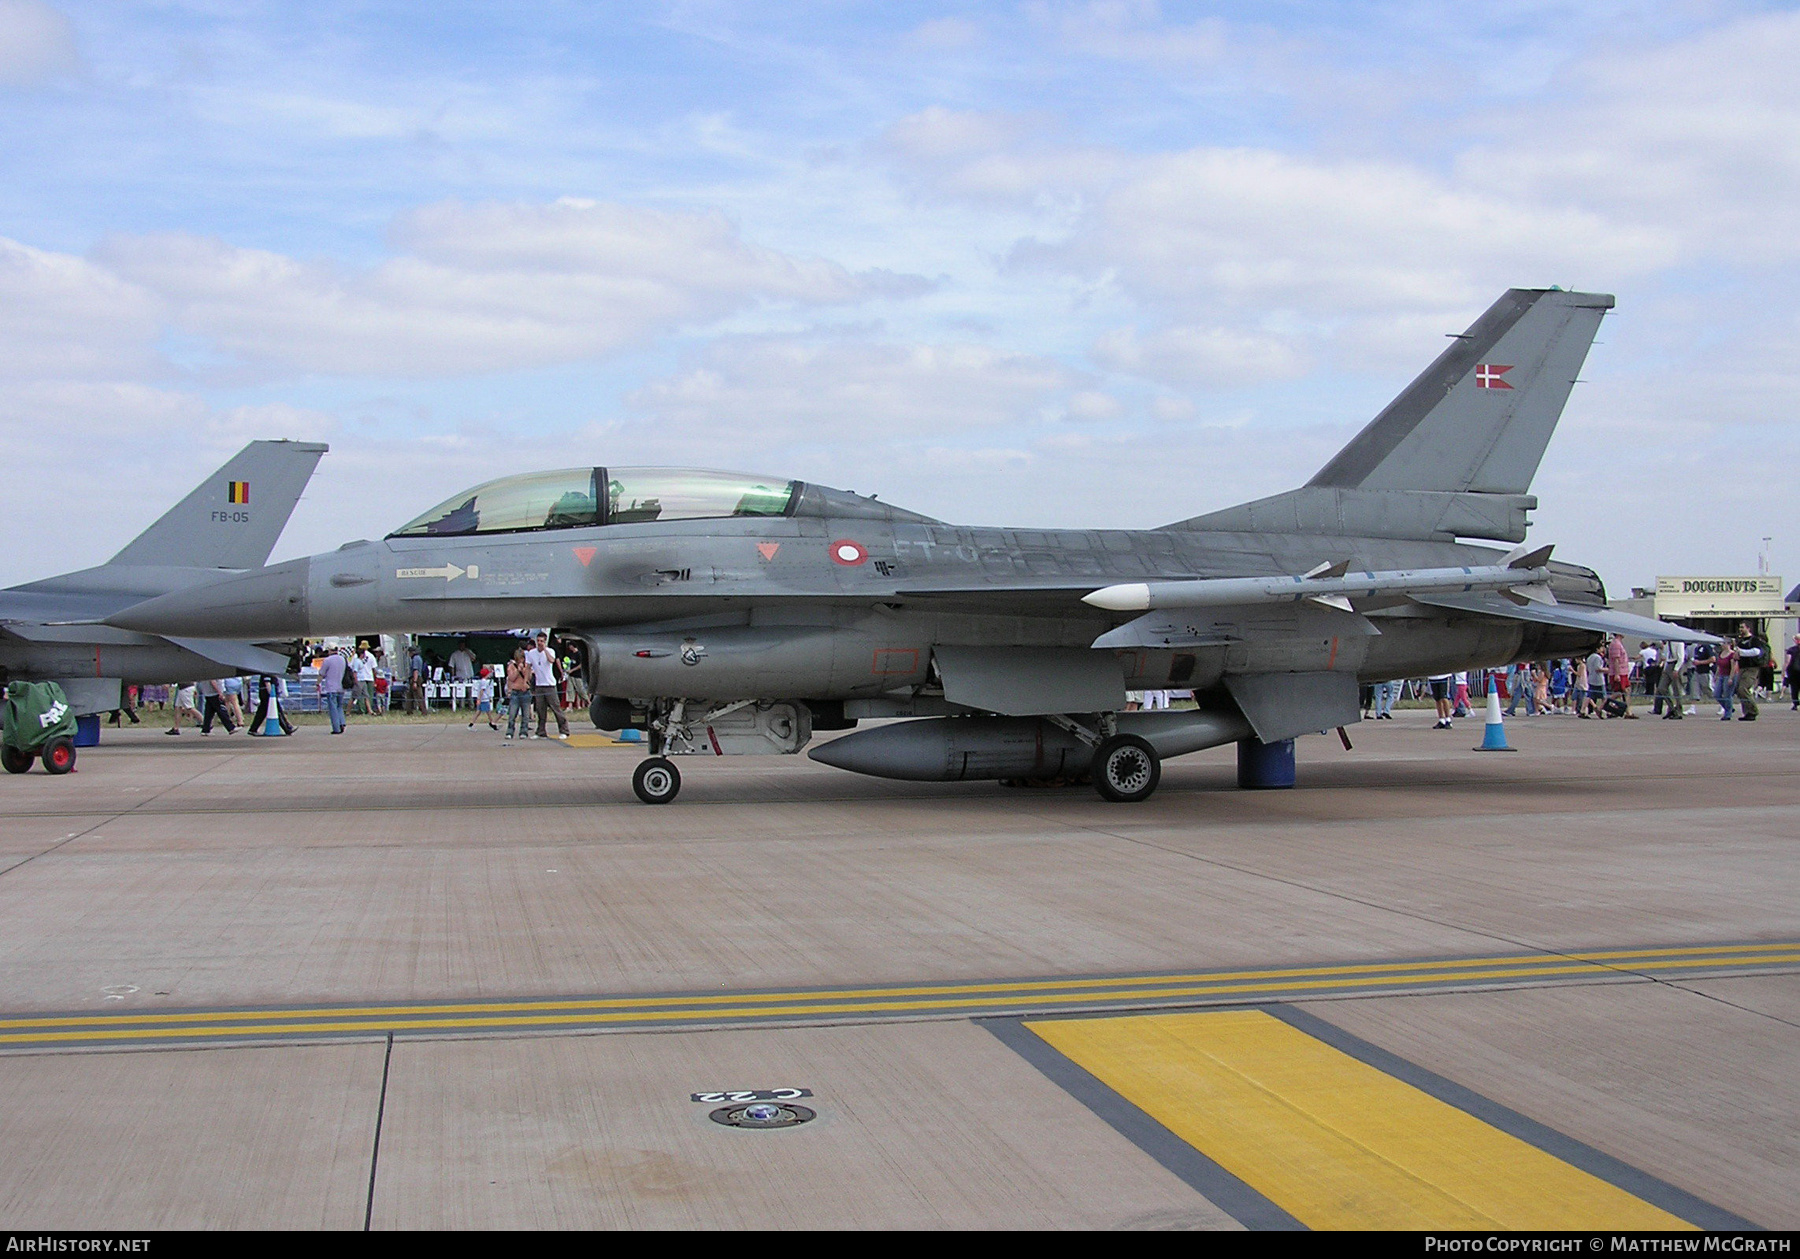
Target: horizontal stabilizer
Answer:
pixel 1600 620
pixel 1282 705
pixel 240 657
pixel 233 519
pixel 82 633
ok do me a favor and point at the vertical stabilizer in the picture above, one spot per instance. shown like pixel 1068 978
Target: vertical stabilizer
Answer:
pixel 233 519
pixel 1454 454
pixel 1478 419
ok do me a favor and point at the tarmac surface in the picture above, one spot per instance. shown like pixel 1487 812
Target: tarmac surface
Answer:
pixel 410 977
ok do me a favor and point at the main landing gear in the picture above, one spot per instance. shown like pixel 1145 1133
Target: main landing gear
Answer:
pixel 656 780
pixel 1126 769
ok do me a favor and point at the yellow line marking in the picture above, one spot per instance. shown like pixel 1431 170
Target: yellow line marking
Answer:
pixel 1398 972
pixel 597 741
pixel 1331 1140
pixel 717 1009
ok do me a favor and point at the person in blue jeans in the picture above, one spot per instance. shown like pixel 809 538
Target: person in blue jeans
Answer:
pixel 1385 695
pixel 331 689
pixel 1519 683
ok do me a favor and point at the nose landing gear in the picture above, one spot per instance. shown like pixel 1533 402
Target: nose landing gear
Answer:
pixel 656 780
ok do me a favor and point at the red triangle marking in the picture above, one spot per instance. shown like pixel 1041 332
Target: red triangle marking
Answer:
pixel 586 554
pixel 768 549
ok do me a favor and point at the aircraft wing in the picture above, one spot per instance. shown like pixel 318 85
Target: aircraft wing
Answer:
pixel 1603 620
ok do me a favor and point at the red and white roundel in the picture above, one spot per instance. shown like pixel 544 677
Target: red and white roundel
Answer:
pixel 844 551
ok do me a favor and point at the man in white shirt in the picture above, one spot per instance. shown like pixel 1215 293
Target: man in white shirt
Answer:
pixel 363 666
pixel 542 662
pixel 462 664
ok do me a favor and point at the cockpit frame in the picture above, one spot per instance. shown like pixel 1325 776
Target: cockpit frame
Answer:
pixel 571 498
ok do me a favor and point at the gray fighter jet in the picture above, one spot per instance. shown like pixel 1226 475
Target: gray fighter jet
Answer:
pixel 733 614
pixel 48 629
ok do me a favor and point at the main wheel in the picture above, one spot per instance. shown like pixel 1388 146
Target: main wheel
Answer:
pixel 15 761
pixel 59 755
pixel 1126 769
pixel 656 780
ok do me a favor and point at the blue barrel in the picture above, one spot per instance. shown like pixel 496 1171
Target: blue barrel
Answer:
pixel 87 731
pixel 1265 765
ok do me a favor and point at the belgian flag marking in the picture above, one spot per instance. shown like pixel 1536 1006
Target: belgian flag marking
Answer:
pixel 238 491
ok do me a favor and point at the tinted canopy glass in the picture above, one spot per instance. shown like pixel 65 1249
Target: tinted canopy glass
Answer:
pixel 635 494
pixel 563 499
pixel 569 498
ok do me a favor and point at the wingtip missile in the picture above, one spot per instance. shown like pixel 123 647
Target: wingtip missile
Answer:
pixel 1129 597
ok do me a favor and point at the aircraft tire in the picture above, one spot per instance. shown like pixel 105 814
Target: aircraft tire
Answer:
pixel 59 755
pixel 1126 769
pixel 656 780
pixel 15 761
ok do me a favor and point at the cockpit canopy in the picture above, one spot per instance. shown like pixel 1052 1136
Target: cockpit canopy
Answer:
pixel 572 498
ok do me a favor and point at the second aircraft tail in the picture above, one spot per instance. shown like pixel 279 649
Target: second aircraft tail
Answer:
pixel 233 519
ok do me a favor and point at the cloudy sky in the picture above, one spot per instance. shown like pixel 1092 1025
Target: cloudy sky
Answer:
pixel 1041 263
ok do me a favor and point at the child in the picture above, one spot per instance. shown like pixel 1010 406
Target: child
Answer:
pixel 1559 686
pixel 484 698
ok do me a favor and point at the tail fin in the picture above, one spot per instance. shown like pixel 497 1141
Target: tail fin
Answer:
pixel 1478 419
pixel 233 519
pixel 1454 454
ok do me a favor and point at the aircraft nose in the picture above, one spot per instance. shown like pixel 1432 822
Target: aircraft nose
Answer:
pixel 267 603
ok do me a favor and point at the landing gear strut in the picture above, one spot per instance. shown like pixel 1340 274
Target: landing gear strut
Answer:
pixel 656 780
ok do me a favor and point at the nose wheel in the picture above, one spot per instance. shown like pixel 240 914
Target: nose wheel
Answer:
pixel 1126 769
pixel 656 780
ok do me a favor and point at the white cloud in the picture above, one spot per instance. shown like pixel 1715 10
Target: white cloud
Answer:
pixel 1700 137
pixel 1190 355
pixel 62 316
pixel 36 43
pixel 1260 228
pixel 485 287
pixel 753 393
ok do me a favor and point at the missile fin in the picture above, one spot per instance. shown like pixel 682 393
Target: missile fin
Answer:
pixel 1519 557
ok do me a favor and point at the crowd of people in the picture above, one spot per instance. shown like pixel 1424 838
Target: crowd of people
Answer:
pixel 540 679
pixel 543 677
pixel 1738 676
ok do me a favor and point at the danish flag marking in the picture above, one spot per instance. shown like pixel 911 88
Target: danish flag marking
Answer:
pixel 1487 376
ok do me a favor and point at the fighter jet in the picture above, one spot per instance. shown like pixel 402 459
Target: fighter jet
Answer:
pixel 50 630
pixel 730 614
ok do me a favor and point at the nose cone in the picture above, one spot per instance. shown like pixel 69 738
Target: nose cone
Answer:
pixel 267 603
